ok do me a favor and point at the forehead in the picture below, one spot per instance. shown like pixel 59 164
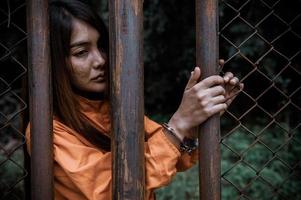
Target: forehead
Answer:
pixel 81 31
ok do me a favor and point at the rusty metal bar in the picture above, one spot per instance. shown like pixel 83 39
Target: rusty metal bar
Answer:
pixel 126 75
pixel 40 94
pixel 209 136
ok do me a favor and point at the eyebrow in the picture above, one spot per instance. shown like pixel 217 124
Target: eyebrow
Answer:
pixel 80 43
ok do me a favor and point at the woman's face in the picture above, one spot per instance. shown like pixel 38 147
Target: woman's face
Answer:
pixel 87 60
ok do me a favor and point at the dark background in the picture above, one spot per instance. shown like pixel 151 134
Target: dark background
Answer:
pixel 260 41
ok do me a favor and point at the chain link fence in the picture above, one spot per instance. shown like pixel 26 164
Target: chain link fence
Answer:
pixel 13 60
pixel 261 138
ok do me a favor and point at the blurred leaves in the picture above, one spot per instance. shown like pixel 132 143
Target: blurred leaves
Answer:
pixel 261 150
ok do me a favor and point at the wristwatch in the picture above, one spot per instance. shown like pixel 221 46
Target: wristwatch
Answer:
pixel 187 144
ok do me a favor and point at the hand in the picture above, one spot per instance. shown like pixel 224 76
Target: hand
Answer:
pixel 232 86
pixel 200 101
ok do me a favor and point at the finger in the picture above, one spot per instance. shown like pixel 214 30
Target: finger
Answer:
pixel 231 98
pixel 233 86
pixel 218 99
pixel 241 86
pixel 217 109
pixel 234 93
pixel 221 62
pixel 216 91
pixel 194 77
pixel 228 76
pixel 234 81
pixel 211 81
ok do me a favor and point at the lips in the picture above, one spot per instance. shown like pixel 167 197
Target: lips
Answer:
pixel 100 77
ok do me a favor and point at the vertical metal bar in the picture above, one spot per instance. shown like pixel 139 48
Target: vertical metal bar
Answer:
pixel 209 136
pixel 126 64
pixel 40 100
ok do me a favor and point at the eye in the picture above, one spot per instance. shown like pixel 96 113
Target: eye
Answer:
pixel 80 53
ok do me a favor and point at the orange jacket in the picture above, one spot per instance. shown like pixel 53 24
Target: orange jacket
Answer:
pixel 81 171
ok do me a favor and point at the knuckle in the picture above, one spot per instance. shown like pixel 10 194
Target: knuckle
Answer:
pixel 224 106
pixel 207 80
pixel 208 112
pixel 235 79
pixel 213 77
pixel 194 90
pixel 203 103
pixel 229 74
pixel 221 89
pixel 218 78
pixel 200 97
pixel 221 98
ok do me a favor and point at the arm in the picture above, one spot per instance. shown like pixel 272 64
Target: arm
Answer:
pixel 202 100
pixel 90 169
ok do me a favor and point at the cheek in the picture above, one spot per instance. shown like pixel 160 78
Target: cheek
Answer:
pixel 81 70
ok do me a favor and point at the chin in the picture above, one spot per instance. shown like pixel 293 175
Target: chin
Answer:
pixel 100 88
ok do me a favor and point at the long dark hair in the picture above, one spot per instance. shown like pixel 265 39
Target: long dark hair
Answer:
pixel 65 104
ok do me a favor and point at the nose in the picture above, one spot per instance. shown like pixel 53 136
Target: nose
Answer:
pixel 99 59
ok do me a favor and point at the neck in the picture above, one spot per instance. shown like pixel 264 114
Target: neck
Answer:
pixel 89 95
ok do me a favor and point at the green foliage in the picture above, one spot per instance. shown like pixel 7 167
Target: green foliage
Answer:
pixel 183 186
pixel 169 55
pixel 263 169
pixel 11 172
pixel 262 164
pixel 258 174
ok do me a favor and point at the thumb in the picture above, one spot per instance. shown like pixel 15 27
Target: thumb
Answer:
pixel 194 77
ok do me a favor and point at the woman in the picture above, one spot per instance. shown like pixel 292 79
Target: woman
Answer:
pixel 81 125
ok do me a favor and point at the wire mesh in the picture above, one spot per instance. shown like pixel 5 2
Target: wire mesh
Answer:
pixel 12 61
pixel 261 138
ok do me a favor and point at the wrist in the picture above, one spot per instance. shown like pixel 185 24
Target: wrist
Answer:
pixel 184 144
pixel 172 131
pixel 172 139
pixel 178 126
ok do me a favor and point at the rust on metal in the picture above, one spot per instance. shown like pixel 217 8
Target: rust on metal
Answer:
pixel 209 136
pixel 126 64
pixel 135 4
pixel 40 100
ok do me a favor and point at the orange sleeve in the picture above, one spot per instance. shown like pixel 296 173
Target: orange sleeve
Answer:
pixel 90 169
pixel 185 161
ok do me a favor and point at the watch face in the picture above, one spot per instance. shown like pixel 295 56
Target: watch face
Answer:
pixel 189 145
pixel 190 142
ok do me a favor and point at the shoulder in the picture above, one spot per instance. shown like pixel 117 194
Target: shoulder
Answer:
pixel 149 122
pixel 60 132
pixel 151 126
pixel 57 127
pixel 63 134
